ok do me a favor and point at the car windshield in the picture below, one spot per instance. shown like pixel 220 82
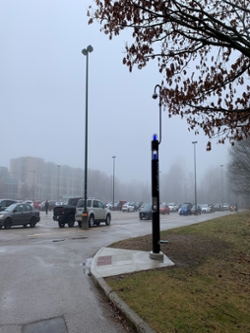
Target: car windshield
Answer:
pixel 162 205
pixel 184 206
pixel 81 203
pixel 11 207
pixel 147 206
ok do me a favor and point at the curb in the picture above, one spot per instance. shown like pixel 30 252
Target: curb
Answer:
pixel 139 324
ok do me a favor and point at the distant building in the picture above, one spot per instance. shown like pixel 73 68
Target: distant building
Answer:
pixel 32 178
pixel 8 184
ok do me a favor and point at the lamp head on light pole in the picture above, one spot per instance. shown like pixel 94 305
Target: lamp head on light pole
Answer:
pixel 89 49
pixel 155 96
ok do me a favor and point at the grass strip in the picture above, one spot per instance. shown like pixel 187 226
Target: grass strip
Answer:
pixel 208 289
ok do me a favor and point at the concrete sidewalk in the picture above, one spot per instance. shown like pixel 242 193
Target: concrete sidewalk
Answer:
pixel 111 262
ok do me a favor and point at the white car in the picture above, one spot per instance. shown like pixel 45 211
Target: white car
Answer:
pixel 30 202
pixel 110 206
pixel 97 212
pixel 173 207
pixel 205 208
pixel 128 208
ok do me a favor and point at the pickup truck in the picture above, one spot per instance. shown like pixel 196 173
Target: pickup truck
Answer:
pixel 65 214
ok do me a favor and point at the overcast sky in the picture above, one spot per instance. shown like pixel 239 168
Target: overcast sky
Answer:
pixel 42 85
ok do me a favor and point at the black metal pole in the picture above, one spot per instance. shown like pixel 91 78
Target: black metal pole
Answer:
pixel 155 196
pixel 113 206
pixel 85 212
pixel 86 138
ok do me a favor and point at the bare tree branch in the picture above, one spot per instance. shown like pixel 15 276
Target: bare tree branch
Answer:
pixel 203 53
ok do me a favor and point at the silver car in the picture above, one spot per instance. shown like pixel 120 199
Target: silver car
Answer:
pixel 97 212
pixel 19 214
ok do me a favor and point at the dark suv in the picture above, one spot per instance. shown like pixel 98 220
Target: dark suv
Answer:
pixel 5 203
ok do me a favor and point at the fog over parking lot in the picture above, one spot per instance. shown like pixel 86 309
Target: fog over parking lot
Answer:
pixel 43 83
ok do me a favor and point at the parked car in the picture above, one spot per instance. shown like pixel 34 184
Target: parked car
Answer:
pixel 59 203
pixel 146 211
pixel 185 209
pixel 164 209
pixel 120 204
pixel 234 207
pixel 37 203
pixel 19 214
pixel 97 212
pixel 205 209
pixel 127 207
pixel 198 210
pixel 226 207
pixel 212 209
pixel 110 205
pixel 217 207
pixel 173 207
pixel 135 205
pixel 30 202
pixel 177 205
pixel 5 203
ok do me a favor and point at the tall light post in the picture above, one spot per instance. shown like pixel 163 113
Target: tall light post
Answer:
pixel 156 253
pixel 185 189
pixel 58 177
pixel 195 187
pixel 86 52
pixel 222 185
pixel 113 181
pixel 142 191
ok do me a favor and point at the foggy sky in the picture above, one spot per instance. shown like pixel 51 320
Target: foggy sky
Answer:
pixel 42 84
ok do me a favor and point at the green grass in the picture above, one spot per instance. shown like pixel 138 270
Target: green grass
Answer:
pixel 209 289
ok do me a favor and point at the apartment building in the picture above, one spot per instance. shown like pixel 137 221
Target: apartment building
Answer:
pixel 39 180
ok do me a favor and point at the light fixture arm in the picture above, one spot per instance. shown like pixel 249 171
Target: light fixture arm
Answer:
pixel 154 96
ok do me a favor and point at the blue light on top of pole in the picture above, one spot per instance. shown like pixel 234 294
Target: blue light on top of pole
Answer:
pixel 155 137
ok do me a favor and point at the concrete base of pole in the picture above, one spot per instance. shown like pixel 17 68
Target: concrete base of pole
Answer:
pixel 156 256
pixel 85 221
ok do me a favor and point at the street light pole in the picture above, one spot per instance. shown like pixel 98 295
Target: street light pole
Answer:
pixel 185 190
pixel 86 52
pixel 58 182
pixel 222 185
pixel 195 187
pixel 113 180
